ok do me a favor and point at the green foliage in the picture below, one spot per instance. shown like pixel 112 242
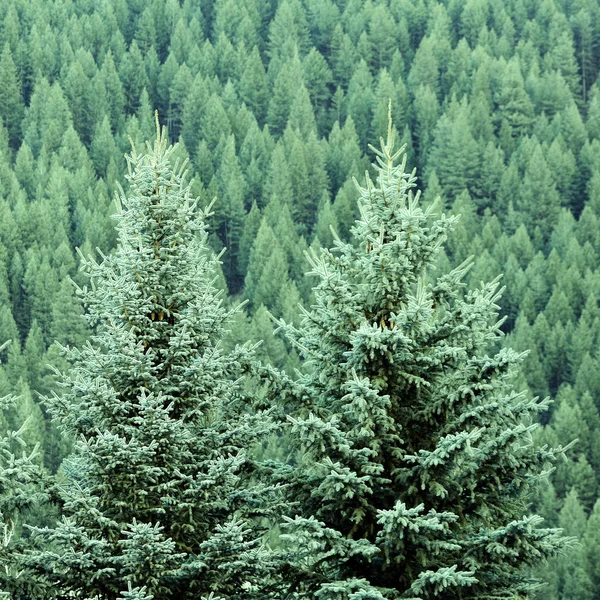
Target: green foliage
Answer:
pixel 417 463
pixel 302 86
pixel 156 489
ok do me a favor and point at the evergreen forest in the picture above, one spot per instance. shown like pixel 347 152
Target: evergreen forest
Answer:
pixel 299 299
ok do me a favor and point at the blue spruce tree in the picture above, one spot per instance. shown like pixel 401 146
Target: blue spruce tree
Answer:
pixel 418 464
pixel 162 496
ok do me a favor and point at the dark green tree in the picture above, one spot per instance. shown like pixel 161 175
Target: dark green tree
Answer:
pixel 11 101
pixel 180 89
pixel 343 155
pixel 214 122
pixel 288 31
pixel 254 90
pixel 318 80
pixel 343 55
pixel 302 115
pixel 193 114
pixel 360 101
pixel 251 226
pixel 283 94
pixel 591 545
pixel 427 113
pixel 538 200
pixel 385 92
pixel 425 69
pixel 80 95
pixel 230 211
pixel 514 104
pixel 115 94
pixel 133 76
pixel 455 155
pixel 103 147
pixel 264 245
pixel 574 581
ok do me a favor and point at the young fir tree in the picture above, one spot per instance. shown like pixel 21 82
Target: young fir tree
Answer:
pixel 418 462
pixel 156 492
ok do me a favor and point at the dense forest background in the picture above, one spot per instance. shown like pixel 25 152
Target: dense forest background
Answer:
pixel 274 102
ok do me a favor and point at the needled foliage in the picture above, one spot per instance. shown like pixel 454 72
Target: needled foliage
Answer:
pixel 417 461
pixel 156 494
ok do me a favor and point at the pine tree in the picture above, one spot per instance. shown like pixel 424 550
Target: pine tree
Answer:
pixel 115 93
pixel 538 199
pixel 383 34
pixel 251 226
pixel 156 492
pixel 283 93
pixel 26 410
pixel 417 463
pixel 288 31
pixel 230 212
pixel 215 123
pixel 343 155
pixel 133 75
pixel 265 243
pixel 254 89
pixel 318 80
pixel 360 101
pixel 302 115
pixel 193 115
pixel 343 55
pixel 179 91
pixel 11 101
pixel 455 154
pixel 79 93
pixel 103 147
pixel 427 112
pixel 384 93
pixel 513 102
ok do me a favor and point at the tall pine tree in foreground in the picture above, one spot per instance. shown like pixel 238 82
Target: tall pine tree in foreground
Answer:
pixel 157 502
pixel 418 461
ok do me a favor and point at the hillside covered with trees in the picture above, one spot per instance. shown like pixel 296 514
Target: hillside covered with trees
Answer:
pixel 274 103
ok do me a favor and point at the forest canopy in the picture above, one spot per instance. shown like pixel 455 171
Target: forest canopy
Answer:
pixel 274 103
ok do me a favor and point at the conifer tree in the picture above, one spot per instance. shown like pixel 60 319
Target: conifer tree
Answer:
pixel 538 198
pixel 231 212
pixel 360 101
pixel 251 226
pixel 343 55
pixel 514 104
pixel 156 492
pixel 11 102
pixel 254 89
pixel 574 581
pixel 418 463
pixel 265 243
pixel 282 95
pixel 115 94
pixel 427 110
pixel 318 79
